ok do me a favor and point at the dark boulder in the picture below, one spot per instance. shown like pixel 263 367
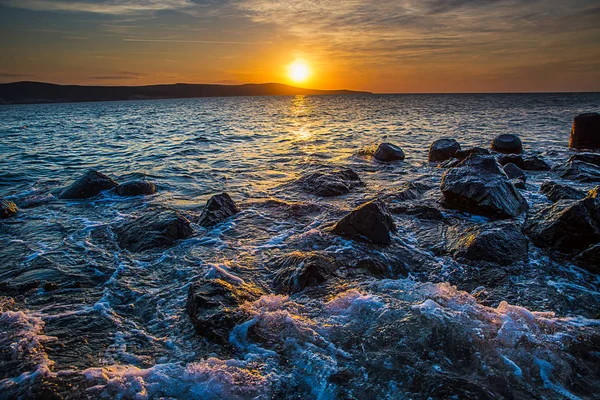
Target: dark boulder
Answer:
pixel 7 209
pixel 526 163
pixel 389 152
pixel 557 191
pixel 371 222
pixel 330 183
pixel 155 230
pixel 213 306
pixel 590 259
pixel 578 171
pixel 409 191
pixel 507 143
pixel 136 188
pixel 480 186
pixel 462 154
pixel 89 185
pixel 217 209
pixel 516 176
pixel 296 271
pixel 590 158
pixel 443 149
pixel 501 243
pixel 418 210
pixel 585 133
pixel 567 225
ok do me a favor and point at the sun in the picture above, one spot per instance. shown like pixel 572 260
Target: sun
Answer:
pixel 299 71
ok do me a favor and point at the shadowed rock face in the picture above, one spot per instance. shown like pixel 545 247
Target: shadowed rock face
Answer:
pixel 578 171
pixel 155 230
pixel 507 143
pixel 501 243
pixel 568 225
pixel 526 163
pixel 557 191
pixel 590 259
pixel 585 133
pixel 298 270
pixel 330 183
pixel 443 149
pixel 371 222
pixel 89 185
pixel 515 174
pixel 590 158
pixel 217 209
pixel 480 186
pixel 213 306
pixel 389 152
pixel 136 188
pixel 7 209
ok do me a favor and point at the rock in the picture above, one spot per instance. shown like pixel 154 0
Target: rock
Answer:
pixel 7 209
pixel 501 243
pixel 590 158
pixel 330 183
pixel 516 176
pixel 213 306
pixel 480 186
pixel 557 191
pixel 443 149
pixel 585 133
pixel 389 152
pixel 155 230
pixel 590 259
pixel 217 209
pixel 298 270
pixel 594 193
pixel 526 163
pixel 410 191
pixel 422 211
pixel 567 225
pixel 462 154
pixel 89 185
pixel 136 188
pixel 507 143
pixel 370 221
pixel 578 171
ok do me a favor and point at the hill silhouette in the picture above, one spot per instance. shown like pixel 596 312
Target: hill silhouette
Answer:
pixel 38 92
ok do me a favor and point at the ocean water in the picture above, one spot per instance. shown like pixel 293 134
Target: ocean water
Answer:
pixel 115 324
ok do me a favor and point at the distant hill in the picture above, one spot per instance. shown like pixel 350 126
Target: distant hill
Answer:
pixel 37 92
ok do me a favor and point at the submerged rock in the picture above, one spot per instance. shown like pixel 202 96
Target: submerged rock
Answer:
pixel 501 243
pixel 578 171
pixel 567 225
pixel 213 306
pixel 443 149
pixel 480 186
pixel 590 158
pixel 7 209
pixel 409 191
pixel 462 154
pixel 330 183
pixel 516 176
pixel 389 152
pixel 370 221
pixel 585 133
pixel 89 185
pixel 217 209
pixel 507 143
pixel 155 230
pixel 557 191
pixel 298 270
pixel 526 163
pixel 136 188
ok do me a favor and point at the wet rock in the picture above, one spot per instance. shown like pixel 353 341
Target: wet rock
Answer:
pixel 507 143
pixel 89 185
pixel 590 158
pixel 389 152
pixel 136 188
pixel 590 259
pixel 526 163
pixel 298 270
pixel 409 191
pixel 7 209
pixel 480 186
pixel 516 176
pixel 462 154
pixel 217 209
pixel 567 225
pixel 501 243
pixel 578 171
pixel 213 306
pixel 443 149
pixel 557 191
pixel 370 221
pixel 418 210
pixel 585 133
pixel 594 193
pixel 50 286
pixel 330 183
pixel 155 230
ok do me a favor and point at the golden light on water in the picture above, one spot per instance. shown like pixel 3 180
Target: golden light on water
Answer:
pixel 299 71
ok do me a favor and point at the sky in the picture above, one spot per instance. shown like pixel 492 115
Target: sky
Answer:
pixel 386 46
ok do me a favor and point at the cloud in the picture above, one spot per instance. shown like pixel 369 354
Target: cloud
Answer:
pixel 113 7
pixel 192 41
pixel 120 76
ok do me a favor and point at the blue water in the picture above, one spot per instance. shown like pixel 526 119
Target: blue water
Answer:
pixel 116 324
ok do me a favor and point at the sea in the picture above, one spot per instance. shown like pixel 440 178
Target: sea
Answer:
pixel 82 318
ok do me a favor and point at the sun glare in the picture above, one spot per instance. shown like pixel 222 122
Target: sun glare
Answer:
pixel 299 71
